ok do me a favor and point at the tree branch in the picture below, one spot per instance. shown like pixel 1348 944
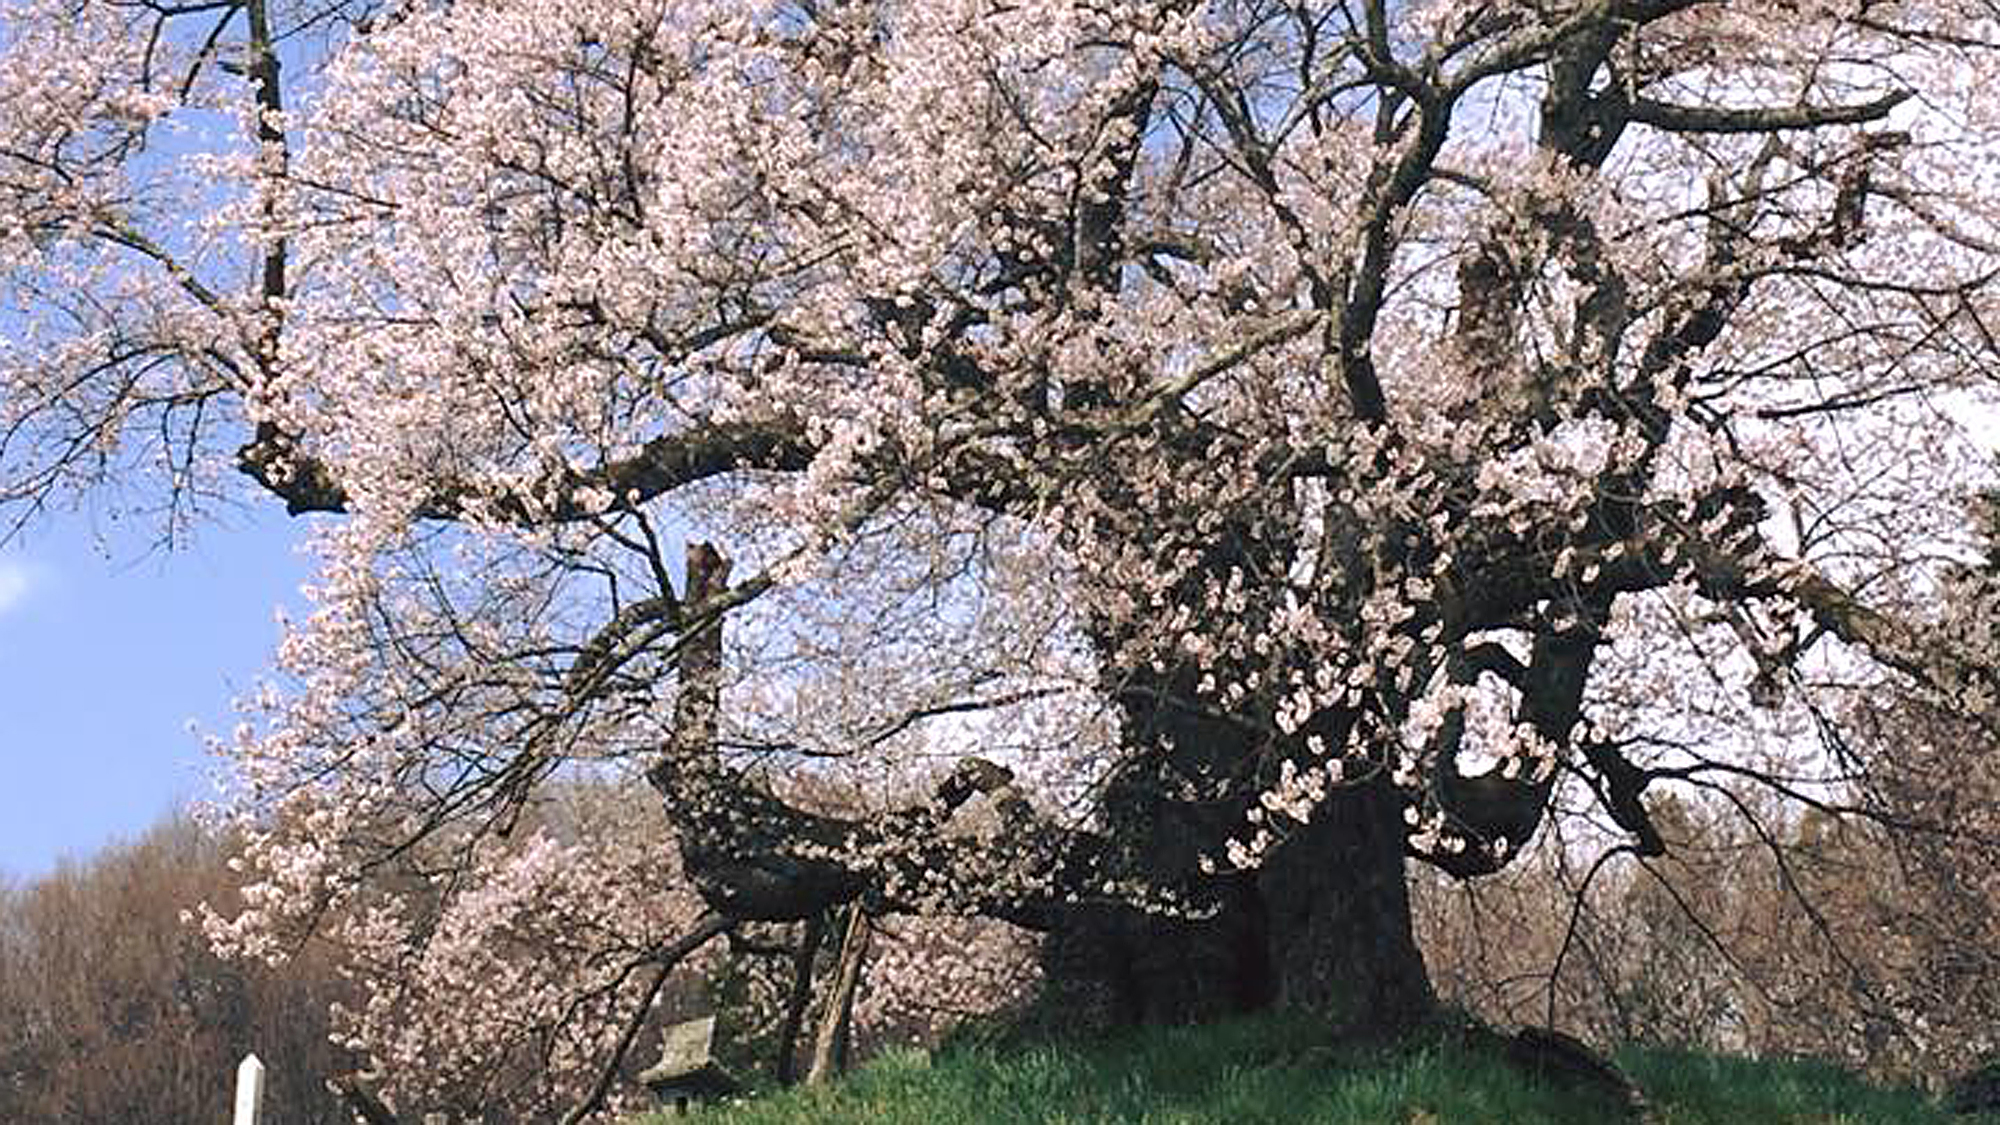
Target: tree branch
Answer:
pixel 274 460
pixel 1715 119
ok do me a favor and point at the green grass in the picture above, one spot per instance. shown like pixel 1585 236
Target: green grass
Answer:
pixel 1284 1072
pixel 1696 1089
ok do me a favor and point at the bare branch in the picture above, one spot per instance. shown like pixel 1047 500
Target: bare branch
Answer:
pixel 1771 119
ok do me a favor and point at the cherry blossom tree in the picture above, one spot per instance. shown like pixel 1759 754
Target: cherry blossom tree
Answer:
pixel 1173 460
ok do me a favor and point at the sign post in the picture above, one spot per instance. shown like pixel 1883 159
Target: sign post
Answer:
pixel 249 1091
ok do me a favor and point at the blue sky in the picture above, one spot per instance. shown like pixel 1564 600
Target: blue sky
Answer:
pixel 107 652
pixel 109 648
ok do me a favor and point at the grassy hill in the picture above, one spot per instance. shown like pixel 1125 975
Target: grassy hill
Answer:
pixel 1280 1071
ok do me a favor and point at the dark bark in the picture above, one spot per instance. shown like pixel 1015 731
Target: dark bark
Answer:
pixel 800 998
pixel 1109 965
pixel 1339 915
pixel 1323 926
pixel 739 846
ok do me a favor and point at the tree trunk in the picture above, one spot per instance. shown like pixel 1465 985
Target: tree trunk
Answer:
pixel 1338 915
pixel 1323 927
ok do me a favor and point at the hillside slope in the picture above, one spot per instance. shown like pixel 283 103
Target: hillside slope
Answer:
pixel 1284 1072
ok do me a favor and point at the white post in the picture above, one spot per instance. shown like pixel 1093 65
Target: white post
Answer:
pixel 249 1091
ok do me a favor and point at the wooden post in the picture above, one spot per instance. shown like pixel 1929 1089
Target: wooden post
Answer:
pixel 249 1091
pixel 800 999
pixel 830 1045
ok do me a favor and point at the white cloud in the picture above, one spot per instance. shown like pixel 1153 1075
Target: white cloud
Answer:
pixel 15 580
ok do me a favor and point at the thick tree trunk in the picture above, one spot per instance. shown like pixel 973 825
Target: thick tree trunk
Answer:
pixel 1323 927
pixel 1338 915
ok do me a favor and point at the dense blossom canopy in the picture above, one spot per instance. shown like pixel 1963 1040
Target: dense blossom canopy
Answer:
pixel 1129 429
